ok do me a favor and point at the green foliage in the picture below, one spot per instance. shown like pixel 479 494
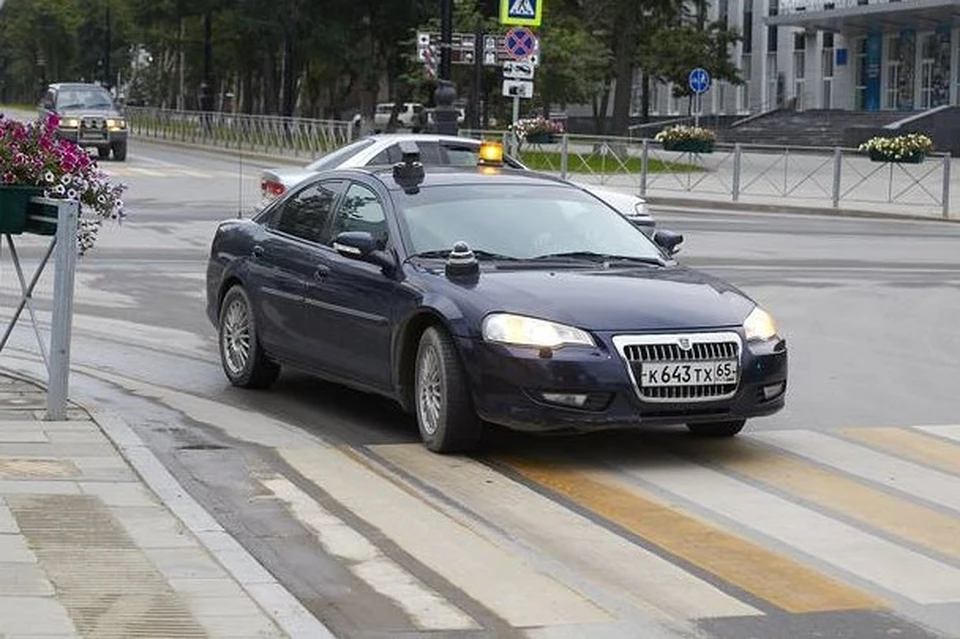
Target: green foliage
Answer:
pixel 334 58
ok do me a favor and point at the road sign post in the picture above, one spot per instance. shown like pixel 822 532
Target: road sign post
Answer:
pixel 699 81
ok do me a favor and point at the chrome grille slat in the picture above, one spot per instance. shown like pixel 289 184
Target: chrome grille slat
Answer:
pixel 639 349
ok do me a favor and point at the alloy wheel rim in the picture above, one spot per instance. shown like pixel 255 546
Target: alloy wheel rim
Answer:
pixel 236 337
pixel 429 391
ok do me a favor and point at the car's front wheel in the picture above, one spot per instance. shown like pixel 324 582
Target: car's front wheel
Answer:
pixel 445 415
pixel 718 429
pixel 119 151
pixel 242 358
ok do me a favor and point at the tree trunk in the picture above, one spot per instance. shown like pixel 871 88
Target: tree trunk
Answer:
pixel 645 99
pixel 623 70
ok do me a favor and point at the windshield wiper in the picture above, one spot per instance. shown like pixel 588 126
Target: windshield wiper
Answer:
pixel 601 257
pixel 479 254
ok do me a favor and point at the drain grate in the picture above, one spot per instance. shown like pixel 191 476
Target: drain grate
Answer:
pixel 108 586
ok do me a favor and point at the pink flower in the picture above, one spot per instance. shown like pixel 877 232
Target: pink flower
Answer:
pixel 9 178
pixel 53 122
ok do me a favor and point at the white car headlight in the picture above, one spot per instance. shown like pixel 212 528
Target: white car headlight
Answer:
pixel 528 331
pixel 759 325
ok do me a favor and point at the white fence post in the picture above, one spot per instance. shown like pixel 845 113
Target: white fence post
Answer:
pixel 65 261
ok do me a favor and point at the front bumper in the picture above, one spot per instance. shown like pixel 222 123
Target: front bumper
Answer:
pixel 93 136
pixel 509 382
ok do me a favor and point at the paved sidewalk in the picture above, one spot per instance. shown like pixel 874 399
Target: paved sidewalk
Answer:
pixel 88 550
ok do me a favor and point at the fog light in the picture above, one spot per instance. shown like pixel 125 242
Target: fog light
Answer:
pixel 567 399
pixel 769 392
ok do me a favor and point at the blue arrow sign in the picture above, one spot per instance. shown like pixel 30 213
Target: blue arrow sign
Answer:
pixel 699 80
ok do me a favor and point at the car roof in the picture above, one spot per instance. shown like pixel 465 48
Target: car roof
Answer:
pixel 75 85
pixel 420 137
pixel 461 176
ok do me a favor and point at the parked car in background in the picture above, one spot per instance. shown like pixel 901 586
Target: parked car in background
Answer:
pixel 88 116
pixel 435 150
pixel 409 116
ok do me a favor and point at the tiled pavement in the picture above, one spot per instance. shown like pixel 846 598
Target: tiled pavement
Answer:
pixel 88 550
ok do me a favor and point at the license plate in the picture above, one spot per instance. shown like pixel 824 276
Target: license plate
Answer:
pixel 689 373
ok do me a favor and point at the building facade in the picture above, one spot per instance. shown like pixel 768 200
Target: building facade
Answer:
pixel 863 55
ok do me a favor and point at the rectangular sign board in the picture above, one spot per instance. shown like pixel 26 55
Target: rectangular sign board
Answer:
pixel 517 89
pixel 462 48
pixel 513 70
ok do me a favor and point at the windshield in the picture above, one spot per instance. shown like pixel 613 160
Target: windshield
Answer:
pixel 519 222
pixel 83 98
pixel 334 159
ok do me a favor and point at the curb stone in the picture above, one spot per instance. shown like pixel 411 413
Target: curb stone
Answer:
pixel 276 601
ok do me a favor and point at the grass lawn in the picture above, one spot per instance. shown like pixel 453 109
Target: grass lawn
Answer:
pixel 550 161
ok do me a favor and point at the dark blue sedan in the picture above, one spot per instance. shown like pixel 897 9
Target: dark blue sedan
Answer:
pixel 473 295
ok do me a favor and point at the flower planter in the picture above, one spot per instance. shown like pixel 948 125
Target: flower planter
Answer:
pixel 912 158
pixel 15 205
pixel 688 146
pixel 541 138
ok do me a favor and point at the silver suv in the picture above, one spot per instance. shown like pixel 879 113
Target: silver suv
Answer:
pixel 88 116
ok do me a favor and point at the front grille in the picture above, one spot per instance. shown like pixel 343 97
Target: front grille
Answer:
pixel 666 349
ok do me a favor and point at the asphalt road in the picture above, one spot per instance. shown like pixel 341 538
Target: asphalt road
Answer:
pixel 839 517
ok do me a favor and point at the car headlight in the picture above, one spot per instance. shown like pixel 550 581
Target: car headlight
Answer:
pixel 116 124
pixel 71 123
pixel 759 325
pixel 528 331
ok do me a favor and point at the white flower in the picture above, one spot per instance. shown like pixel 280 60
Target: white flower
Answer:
pixel 65 179
pixel 60 189
pixel 49 177
pixel 71 194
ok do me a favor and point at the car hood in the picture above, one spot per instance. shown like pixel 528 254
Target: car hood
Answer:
pixel 624 202
pixel 89 113
pixel 631 299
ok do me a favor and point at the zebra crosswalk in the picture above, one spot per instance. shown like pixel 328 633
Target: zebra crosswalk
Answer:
pixel 164 172
pixel 681 532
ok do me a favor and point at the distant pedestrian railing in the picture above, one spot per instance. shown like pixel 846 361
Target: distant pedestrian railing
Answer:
pixel 250 133
pixel 819 176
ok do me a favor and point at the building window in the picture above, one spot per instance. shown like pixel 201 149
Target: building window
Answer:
pixel 772 33
pixel 799 67
pixel 826 70
pixel 894 71
pixel 747 27
pixel 772 77
pixel 743 91
pixel 861 74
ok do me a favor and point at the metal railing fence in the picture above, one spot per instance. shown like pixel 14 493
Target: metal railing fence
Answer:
pixel 251 133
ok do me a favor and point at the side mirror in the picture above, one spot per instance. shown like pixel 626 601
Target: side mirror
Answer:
pixel 668 241
pixel 360 245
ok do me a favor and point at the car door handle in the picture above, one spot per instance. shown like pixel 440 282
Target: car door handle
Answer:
pixel 321 272
pixel 258 251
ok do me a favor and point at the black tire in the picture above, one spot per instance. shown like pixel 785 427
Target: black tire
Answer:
pixel 119 151
pixel 103 152
pixel 717 429
pixel 256 370
pixel 453 426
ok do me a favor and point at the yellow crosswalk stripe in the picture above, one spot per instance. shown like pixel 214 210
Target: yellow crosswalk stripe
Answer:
pixel 771 577
pixel 830 489
pixel 910 444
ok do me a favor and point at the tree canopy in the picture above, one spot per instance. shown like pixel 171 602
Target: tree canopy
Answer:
pixel 334 58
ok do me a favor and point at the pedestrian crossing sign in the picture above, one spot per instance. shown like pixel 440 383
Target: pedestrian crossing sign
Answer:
pixel 525 12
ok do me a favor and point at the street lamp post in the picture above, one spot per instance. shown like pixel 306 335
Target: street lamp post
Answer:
pixel 445 114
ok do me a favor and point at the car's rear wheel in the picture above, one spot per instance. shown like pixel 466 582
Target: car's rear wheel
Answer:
pixel 445 414
pixel 242 358
pixel 718 429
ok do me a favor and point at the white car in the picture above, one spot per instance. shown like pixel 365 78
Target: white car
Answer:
pixel 384 149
